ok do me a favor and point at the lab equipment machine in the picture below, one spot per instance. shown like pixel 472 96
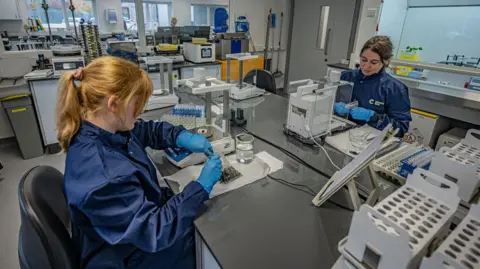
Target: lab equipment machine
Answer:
pixel 230 43
pixel 170 51
pixel 217 130
pixel 310 109
pixel 165 96
pixel 66 58
pixel 199 53
pixel 242 91
pixel 450 138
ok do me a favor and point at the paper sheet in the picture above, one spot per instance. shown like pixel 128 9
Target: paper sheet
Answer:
pixel 259 168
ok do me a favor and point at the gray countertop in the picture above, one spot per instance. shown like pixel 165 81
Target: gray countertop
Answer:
pixel 267 224
pixel 185 64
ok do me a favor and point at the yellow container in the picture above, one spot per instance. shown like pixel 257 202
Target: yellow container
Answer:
pixel 408 56
pixel 167 47
pixel 199 41
pixel 247 66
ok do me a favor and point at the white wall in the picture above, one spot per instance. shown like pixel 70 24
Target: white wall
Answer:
pixel 366 27
pixel 181 11
pixel 256 12
pixel 392 20
pixel 15 26
pixel 103 25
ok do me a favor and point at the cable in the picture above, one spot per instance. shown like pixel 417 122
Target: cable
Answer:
pixel 324 150
pixel 314 141
pixel 308 191
pixel 282 181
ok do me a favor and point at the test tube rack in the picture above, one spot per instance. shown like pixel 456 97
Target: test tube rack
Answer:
pixel 189 116
pixel 90 42
pixel 399 231
pixel 460 168
pixel 461 249
pixel 390 163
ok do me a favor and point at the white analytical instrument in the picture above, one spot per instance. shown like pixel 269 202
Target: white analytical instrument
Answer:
pixel 199 53
pixel 310 110
pixel 163 97
pixel 217 130
pixel 242 90
pixel 66 58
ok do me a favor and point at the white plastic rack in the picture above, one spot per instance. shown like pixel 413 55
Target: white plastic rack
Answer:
pixel 398 231
pixel 461 249
pixel 460 168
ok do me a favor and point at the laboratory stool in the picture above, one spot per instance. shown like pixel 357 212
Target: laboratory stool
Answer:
pixel 44 240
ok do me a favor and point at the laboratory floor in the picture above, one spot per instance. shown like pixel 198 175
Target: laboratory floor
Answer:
pixel 14 168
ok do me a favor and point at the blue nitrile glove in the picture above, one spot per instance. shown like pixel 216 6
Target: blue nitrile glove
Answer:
pixel 194 143
pixel 340 108
pixel 211 173
pixel 360 113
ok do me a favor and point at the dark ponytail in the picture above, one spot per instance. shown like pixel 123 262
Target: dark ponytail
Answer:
pixel 381 45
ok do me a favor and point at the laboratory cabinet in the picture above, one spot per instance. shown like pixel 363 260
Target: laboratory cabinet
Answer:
pixel 10 10
pixel 44 94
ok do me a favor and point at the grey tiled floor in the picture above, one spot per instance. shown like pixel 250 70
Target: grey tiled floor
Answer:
pixel 14 168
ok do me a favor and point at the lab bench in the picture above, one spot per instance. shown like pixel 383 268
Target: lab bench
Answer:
pixel 44 93
pixel 266 224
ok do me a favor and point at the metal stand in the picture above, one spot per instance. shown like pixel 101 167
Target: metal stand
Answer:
pixel 346 176
pixel 72 9
pixel 353 192
pixel 45 7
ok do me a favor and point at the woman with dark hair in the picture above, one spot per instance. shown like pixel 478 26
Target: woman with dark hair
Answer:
pixel 381 98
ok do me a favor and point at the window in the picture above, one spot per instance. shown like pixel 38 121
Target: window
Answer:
pixel 155 15
pixel 55 12
pixel 126 13
pixel 83 10
pixel 58 11
pixel 203 15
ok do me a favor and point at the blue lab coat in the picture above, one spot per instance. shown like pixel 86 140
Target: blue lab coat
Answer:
pixel 121 217
pixel 383 94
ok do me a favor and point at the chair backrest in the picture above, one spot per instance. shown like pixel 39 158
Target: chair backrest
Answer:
pixel 45 238
pixel 265 79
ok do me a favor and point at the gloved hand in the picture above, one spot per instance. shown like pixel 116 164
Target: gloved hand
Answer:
pixel 360 113
pixel 340 108
pixel 194 143
pixel 211 173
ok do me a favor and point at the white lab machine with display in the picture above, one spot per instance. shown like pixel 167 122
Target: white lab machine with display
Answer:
pixel 66 58
pixel 199 53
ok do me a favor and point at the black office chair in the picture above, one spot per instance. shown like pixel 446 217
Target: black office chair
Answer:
pixel 44 241
pixel 265 79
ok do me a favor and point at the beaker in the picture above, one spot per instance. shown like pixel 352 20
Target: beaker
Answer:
pixel 358 139
pixel 244 147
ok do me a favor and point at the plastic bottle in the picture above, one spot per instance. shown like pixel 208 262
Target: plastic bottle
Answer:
pixel 241 25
